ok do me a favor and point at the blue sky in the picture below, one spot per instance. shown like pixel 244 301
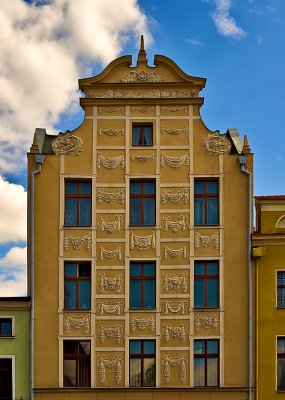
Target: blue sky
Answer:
pixel 45 46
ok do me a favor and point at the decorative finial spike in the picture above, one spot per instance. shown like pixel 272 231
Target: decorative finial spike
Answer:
pixel 142 54
pixel 142 43
pixel 246 148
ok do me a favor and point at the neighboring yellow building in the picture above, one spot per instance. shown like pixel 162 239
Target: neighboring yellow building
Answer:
pixel 269 253
pixel 138 251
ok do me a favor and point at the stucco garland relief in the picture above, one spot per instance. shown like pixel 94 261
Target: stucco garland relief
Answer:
pixel 175 226
pixel 143 242
pixel 138 94
pixel 111 132
pixel 174 253
pixel 168 361
pixel 168 195
pixel 109 332
pixel 109 227
pixel 174 109
pixel 169 331
pixel 110 253
pixel 173 131
pixel 175 282
pixel 142 158
pixel 110 308
pixel 67 144
pixel 143 323
pixel 104 362
pixel 111 109
pixel 110 162
pixel 77 322
pixel 216 144
pixel 142 76
pixel 206 240
pixel 143 109
pixel 180 306
pixel 174 162
pixel 109 283
pixel 110 197
pixel 206 321
pixel 77 241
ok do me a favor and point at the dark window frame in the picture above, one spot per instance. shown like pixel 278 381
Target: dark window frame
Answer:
pixel 142 278
pixel 142 127
pixel 4 320
pixel 205 356
pixel 78 279
pixel 205 196
pixel 77 357
pixel 78 196
pixel 143 356
pixel 143 196
pixel 205 278
pixel 280 289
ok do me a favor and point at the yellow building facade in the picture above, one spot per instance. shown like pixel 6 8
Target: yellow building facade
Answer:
pixel 269 254
pixel 139 259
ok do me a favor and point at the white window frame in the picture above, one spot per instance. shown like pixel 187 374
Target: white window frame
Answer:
pixel 12 317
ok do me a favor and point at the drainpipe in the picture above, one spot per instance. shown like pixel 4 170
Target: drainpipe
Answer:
pixel 242 161
pixel 39 160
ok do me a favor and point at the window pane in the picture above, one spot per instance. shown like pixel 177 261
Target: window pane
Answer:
pixel 149 372
pixel 135 347
pixel 149 347
pixel 6 378
pixel 84 347
pixel 199 216
pixel 136 135
pixel 69 294
pixel 70 269
pixel 136 270
pixel 84 294
pixel 199 268
pixel 199 347
pixel 148 135
pixel 6 326
pixel 71 187
pixel 69 373
pixel 149 211
pixel 212 372
pixel 135 372
pixel 85 212
pixel 212 268
pixel 135 300
pixel 281 374
pixel 281 345
pixel 149 269
pixel 212 293
pixel 199 293
pixel 212 211
pixel 212 347
pixel 212 187
pixel 70 347
pixel 198 187
pixel 199 372
pixel 149 187
pixel 149 294
pixel 135 211
pixel 70 212
pixel 84 270
pixel 85 187
pixel 136 188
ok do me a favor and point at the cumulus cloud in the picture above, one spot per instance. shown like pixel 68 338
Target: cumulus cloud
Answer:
pixel 194 42
pixel 13 276
pixel 225 24
pixel 13 212
pixel 44 48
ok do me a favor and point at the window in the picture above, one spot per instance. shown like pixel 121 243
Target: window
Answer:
pixel 76 363
pixel 142 363
pixel 142 135
pixel 206 362
pixel 6 379
pixel 281 363
pixel 142 200
pixel 206 284
pixel 142 285
pixel 6 327
pixel 77 285
pixel 206 202
pixel 78 203
pixel 281 289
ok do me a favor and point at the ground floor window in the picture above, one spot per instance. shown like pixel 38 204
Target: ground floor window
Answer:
pixel 142 363
pixel 206 362
pixel 6 379
pixel 76 363
pixel 281 363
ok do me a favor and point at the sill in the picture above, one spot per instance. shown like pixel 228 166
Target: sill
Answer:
pixel 142 310
pixel 142 226
pixel 7 337
pixel 77 226
pixel 79 310
pixel 206 308
pixel 142 145
pixel 207 226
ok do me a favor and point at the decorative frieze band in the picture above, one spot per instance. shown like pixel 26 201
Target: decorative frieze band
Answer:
pixel 206 321
pixel 174 162
pixel 175 226
pixel 104 362
pixel 143 323
pixel 141 94
pixel 143 109
pixel 180 306
pixel 109 283
pixel 111 109
pixel 110 162
pixel 175 282
pixel 142 158
pixel 168 361
pixel 169 331
pixel 143 242
pixel 111 132
pixel 67 144
pixel 110 253
pixel 77 322
pixel 142 76
pixel 216 144
pixel 174 109
pixel 109 227
pixel 174 131
pixel 110 308
pixel 109 332
pixel 110 197
pixel 77 241
pixel 206 240
pixel 168 195
pixel 174 253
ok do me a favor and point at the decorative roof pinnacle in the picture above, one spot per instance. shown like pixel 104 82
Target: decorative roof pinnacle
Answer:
pixel 246 148
pixel 142 53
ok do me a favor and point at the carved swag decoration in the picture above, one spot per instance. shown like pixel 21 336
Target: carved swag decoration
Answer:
pixel 109 283
pixel 143 323
pixel 77 322
pixel 180 361
pixel 77 241
pixel 104 362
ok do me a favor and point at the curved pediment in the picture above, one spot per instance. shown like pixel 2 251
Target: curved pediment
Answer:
pixel 280 224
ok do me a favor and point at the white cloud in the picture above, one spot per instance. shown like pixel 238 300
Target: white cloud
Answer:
pixel 194 42
pixel 13 275
pixel 43 51
pixel 259 39
pixel 225 24
pixel 13 212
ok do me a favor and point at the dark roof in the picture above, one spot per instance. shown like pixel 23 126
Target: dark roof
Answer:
pixel 271 197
